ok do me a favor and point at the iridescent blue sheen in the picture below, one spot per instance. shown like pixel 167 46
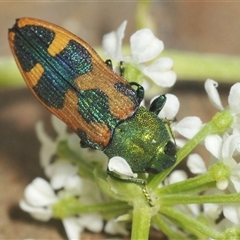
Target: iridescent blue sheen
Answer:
pixel 31 44
pixel 100 112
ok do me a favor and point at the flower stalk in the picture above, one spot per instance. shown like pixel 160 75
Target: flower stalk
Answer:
pixel 193 226
pixel 141 220
pixel 70 206
pixel 175 199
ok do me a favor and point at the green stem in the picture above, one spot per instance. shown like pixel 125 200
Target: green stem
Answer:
pixel 190 184
pixel 143 17
pixel 175 199
pixel 72 206
pixel 220 122
pixel 141 220
pixel 166 228
pixel 190 224
pixel 191 66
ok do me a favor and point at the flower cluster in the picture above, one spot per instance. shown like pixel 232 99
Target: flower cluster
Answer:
pixel 224 149
pixel 44 200
pixel 143 65
pixel 83 197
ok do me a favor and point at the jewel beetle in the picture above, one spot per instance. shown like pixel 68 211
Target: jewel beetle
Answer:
pixel 69 78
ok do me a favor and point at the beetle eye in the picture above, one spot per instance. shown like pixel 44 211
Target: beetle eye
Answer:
pixel 170 148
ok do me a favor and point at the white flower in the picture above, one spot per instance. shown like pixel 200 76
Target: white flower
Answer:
pixel 59 173
pixel 170 108
pixel 120 166
pixel 161 72
pixel 232 213
pixel 112 42
pixel 176 176
pixel 75 225
pixel 38 199
pixel 72 227
pixel 188 126
pixel 223 150
pixel 93 222
pixel 196 164
pixel 48 145
pixel 144 48
pixel 213 144
pixel 114 227
pixel 233 100
pixel 212 210
pixel 213 95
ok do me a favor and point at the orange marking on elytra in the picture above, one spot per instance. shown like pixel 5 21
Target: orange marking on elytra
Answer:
pixel 103 78
pixel 59 42
pixel 34 74
pixel 97 132
pixel 61 38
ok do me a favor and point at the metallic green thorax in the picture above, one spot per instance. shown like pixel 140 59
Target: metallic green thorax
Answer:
pixel 142 141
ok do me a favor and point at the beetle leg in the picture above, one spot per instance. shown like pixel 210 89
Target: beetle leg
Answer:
pixel 138 181
pixel 121 69
pixel 109 63
pixel 158 104
pixel 139 91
